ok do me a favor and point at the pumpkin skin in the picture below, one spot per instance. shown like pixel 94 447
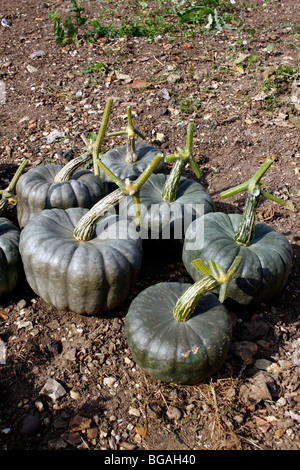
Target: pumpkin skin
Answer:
pixel 36 191
pixel 10 260
pixel 115 160
pixel 158 215
pixel 176 351
pixel 82 276
pixel 266 263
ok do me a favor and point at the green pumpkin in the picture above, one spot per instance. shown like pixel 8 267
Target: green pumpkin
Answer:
pixel 55 186
pixel 168 219
pixel 266 253
pixel 10 261
pixel 83 276
pixel 117 161
pixel 179 333
pixel 169 203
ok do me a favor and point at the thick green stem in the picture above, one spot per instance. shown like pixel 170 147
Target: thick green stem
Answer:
pixel 8 194
pixel 86 226
pixel 181 158
pixel 101 134
pixel 169 190
pixel 214 276
pixel 130 131
pixel 187 303
pixel 68 170
pixel 245 231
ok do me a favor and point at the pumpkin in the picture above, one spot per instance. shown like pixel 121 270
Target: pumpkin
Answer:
pixel 130 160
pixel 10 261
pixel 266 254
pixel 55 186
pixel 84 260
pixel 162 219
pixel 180 332
pixel 116 161
pixel 84 276
pixel 169 203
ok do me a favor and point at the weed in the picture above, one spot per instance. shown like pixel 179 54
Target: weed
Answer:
pixel 188 106
pixel 278 84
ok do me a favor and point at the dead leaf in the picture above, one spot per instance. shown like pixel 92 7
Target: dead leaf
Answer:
pixel 141 431
pixel 138 83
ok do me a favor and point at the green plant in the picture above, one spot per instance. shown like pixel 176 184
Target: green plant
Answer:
pixel 278 83
pixel 266 254
pixel 189 105
pixel 53 185
pixel 66 30
pixel 180 333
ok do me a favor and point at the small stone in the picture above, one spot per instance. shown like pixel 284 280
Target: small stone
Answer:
pixel 174 413
pixel 245 350
pixel 31 69
pixel 134 412
pixel 92 433
pixel 79 423
pixel 74 394
pixel 109 381
pixel 31 424
pixel 163 93
pixel 39 405
pixel 6 23
pixel 2 352
pixel 53 389
pixel 262 364
pixel 37 54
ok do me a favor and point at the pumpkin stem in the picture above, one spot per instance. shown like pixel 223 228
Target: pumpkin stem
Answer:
pixel 214 277
pixel 245 231
pixel 130 131
pixel 181 158
pixel 67 171
pixel 85 228
pixel 99 139
pixel 8 194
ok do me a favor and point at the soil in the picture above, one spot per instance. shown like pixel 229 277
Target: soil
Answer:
pixel 253 402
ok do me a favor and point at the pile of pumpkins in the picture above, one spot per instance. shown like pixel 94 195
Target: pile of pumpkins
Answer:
pixel 79 243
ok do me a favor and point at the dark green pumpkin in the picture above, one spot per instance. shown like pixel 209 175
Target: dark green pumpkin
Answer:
pixel 168 219
pixel 10 260
pixel 266 253
pixel 266 262
pixel 116 161
pixel 85 277
pixel 181 333
pixel 175 351
pixel 37 190
pixel 169 203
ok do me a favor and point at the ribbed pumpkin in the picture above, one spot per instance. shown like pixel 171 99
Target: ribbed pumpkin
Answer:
pixel 10 260
pixel 181 333
pixel 266 254
pixel 84 260
pixel 55 186
pixel 169 203
pixel 84 276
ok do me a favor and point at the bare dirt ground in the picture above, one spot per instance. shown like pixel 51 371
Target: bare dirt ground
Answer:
pixel 232 84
